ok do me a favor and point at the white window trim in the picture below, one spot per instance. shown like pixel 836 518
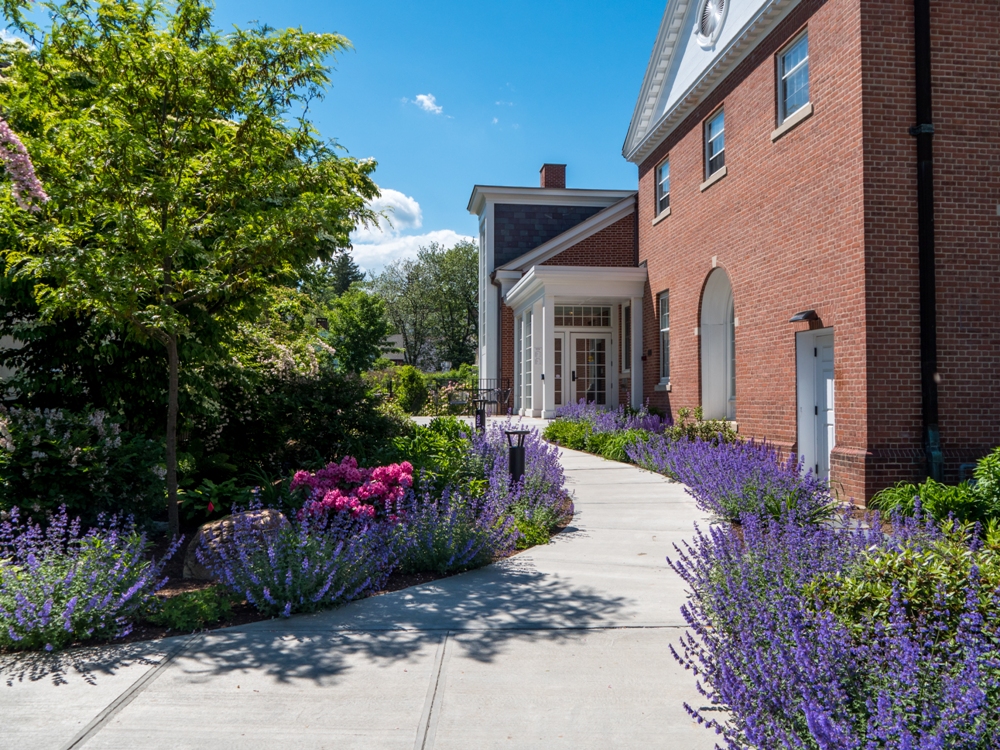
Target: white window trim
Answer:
pixel 626 339
pixel 783 116
pixel 658 174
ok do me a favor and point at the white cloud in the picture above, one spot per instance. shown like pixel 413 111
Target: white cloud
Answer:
pixel 428 103
pixel 495 121
pixel 373 257
pixel 377 246
pixel 399 212
pixel 7 37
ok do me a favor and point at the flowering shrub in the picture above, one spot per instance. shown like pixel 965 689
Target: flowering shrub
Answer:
pixel 606 419
pixel 58 586
pixel 348 488
pixel 316 561
pixel 84 461
pixel 28 190
pixel 734 480
pixel 791 674
pixel 453 532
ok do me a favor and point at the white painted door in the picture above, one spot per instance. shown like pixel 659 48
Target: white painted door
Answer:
pixel 590 362
pixel 825 421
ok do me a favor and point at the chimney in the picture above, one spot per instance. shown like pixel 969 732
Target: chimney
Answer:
pixel 553 175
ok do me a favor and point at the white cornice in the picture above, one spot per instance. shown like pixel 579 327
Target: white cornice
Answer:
pixel 481 194
pixel 587 228
pixel 642 137
pixel 580 282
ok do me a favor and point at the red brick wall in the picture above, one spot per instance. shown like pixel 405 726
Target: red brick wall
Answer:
pixel 612 246
pixel 507 351
pixel 787 225
pixel 825 218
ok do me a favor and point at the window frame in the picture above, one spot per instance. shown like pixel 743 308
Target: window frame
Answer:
pixel 720 112
pixel 663 301
pixel 660 195
pixel 781 76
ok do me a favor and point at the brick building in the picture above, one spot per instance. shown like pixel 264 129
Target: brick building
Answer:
pixel 818 227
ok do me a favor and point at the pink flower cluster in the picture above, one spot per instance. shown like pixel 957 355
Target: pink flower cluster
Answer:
pixel 348 488
pixel 28 190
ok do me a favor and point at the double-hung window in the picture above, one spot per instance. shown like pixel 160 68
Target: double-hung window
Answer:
pixel 715 143
pixel 793 78
pixel 663 187
pixel 665 337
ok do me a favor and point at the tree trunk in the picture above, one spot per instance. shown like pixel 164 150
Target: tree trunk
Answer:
pixel 173 515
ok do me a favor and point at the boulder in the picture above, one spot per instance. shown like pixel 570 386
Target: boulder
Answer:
pixel 263 519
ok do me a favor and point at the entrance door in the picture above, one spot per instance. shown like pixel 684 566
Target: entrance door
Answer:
pixel 590 360
pixel 815 386
pixel 824 403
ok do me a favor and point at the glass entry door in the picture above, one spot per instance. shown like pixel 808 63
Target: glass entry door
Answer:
pixel 589 376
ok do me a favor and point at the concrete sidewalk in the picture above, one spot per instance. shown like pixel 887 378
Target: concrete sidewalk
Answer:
pixel 563 646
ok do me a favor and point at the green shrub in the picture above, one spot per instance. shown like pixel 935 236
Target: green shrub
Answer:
pixel 932 579
pixel 83 460
pixel 191 610
pixel 937 500
pixel 410 389
pixel 572 435
pixel 987 476
pixel 533 532
pixel 440 453
pixel 692 426
pixel 613 445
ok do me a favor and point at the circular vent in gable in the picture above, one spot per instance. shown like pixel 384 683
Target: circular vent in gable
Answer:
pixel 711 15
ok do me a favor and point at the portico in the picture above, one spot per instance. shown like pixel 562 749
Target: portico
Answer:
pixel 575 337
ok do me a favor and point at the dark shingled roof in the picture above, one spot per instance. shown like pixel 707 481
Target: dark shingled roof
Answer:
pixel 519 228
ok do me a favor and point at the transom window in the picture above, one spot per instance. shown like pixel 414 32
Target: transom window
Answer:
pixel 665 337
pixel 793 74
pixel 715 143
pixel 663 187
pixel 582 316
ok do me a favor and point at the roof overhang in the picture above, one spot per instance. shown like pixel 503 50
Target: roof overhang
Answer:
pixel 542 196
pixel 578 282
pixel 587 228
pixel 646 130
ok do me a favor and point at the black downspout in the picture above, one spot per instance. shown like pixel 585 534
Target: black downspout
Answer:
pixel 923 131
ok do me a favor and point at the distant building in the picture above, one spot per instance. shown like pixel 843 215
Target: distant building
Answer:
pixel 784 227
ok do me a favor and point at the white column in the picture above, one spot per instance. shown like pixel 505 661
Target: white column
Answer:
pixel 637 352
pixel 537 321
pixel 548 403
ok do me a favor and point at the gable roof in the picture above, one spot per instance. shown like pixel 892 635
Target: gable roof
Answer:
pixel 587 228
pixel 655 115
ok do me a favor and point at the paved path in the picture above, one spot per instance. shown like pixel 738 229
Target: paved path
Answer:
pixel 564 646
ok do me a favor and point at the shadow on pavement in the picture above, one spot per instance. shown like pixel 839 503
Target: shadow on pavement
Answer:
pixel 87 663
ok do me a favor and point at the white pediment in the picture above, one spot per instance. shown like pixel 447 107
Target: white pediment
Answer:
pixel 685 66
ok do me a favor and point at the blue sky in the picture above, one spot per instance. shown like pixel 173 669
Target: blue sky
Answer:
pixel 518 83
pixel 445 95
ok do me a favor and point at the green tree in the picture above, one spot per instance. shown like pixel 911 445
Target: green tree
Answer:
pixel 324 282
pixel 358 329
pixel 183 174
pixel 456 283
pixel 407 288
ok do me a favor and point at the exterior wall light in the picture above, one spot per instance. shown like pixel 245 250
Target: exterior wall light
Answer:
pixel 805 315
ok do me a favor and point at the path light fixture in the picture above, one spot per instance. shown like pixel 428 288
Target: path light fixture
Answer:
pixel 515 439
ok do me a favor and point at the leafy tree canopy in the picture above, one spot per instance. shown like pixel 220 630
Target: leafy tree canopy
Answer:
pixel 184 177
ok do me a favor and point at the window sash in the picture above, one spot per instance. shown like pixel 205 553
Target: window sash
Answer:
pixel 665 337
pixel 663 187
pixel 794 77
pixel 715 144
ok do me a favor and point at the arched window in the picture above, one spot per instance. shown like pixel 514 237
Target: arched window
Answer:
pixel 718 348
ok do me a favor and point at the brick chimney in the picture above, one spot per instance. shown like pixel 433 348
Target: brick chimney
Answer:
pixel 553 175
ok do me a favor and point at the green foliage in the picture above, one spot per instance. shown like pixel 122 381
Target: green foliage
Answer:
pixel 410 389
pixel 433 302
pixel 533 532
pixel 572 435
pixel 987 476
pixel 325 282
pixel 939 501
pixel 613 445
pixel 440 453
pixel 85 461
pixel 932 578
pixel 210 500
pixel 358 329
pixel 190 611
pixel 692 426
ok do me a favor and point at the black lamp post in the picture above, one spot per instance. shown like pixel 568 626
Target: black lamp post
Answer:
pixel 515 439
pixel 479 405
